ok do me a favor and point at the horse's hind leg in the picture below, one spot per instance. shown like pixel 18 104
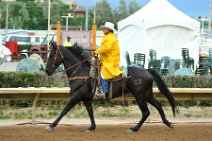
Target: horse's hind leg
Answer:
pixel 73 101
pixel 89 108
pixel 158 106
pixel 145 113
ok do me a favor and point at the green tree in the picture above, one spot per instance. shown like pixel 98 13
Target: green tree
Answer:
pixel 116 16
pixel 3 14
pixel 24 14
pixel 77 21
pixel 35 14
pixel 18 15
pixel 25 0
pixel 90 17
pixel 103 13
pixel 133 6
pixel 123 11
pixel 30 15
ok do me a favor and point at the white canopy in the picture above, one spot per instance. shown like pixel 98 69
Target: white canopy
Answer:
pixel 159 26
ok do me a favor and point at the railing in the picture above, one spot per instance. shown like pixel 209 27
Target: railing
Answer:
pixel 34 94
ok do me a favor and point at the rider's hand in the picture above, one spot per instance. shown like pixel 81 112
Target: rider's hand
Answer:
pixel 93 53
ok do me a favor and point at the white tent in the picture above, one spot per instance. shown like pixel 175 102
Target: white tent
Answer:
pixel 160 26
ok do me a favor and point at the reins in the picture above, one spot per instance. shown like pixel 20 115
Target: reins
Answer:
pixel 75 65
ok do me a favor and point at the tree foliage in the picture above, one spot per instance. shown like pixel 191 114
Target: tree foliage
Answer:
pixel 123 11
pixel 133 6
pixel 30 15
pixel 104 12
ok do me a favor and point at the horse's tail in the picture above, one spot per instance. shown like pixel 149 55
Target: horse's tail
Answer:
pixel 164 89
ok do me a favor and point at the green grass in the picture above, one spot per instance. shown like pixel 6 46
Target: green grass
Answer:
pixel 4 116
pixel 20 115
pixel 125 110
pixel 53 113
pixel 188 115
pixel 51 109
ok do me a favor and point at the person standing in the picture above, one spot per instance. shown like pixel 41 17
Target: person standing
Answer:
pixel 109 52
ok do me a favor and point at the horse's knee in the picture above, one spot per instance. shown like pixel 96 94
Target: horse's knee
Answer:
pixel 146 113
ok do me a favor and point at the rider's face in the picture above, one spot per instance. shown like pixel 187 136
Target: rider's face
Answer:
pixel 106 30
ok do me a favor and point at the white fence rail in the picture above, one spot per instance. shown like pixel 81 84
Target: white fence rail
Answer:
pixel 35 94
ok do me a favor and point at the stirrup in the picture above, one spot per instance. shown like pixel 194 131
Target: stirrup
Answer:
pixel 99 94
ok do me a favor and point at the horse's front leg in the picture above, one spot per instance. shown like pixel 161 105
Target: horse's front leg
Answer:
pixel 89 108
pixel 72 102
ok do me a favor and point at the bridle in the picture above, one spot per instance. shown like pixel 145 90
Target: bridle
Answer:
pixel 57 50
pixel 77 65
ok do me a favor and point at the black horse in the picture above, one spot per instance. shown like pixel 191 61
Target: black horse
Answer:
pixel 139 82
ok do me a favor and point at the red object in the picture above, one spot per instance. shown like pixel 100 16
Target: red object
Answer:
pixel 13 47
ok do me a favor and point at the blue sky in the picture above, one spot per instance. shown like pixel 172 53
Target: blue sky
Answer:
pixel 192 8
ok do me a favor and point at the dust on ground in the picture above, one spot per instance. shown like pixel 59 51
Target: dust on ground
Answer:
pixel 149 132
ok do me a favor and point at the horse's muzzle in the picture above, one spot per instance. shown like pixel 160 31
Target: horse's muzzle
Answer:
pixel 47 72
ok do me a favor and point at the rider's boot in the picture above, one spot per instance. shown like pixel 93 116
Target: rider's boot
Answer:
pixel 99 94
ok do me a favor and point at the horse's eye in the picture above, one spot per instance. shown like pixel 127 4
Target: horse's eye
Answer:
pixel 50 55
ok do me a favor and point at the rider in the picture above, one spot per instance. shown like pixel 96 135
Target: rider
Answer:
pixel 109 56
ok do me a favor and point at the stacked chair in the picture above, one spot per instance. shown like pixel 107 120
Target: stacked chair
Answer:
pixel 210 60
pixel 187 61
pixel 127 57
pixel 154 63
pixel 152 54
pixel 165 61
pixel 139 59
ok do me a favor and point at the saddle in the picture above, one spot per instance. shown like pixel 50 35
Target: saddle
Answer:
pixel 121 78
pixel 95 78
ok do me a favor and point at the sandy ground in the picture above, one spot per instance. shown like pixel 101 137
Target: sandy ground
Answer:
pixel 118 132
pixel 192 124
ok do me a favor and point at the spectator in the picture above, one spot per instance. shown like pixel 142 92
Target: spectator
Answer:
pixel 67 42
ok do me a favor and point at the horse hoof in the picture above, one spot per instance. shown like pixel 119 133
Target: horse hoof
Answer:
pixel 171 126
pixel 130 130
pixel 49 129
pixel 87 130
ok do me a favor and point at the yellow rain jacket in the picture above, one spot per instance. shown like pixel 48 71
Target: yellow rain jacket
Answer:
pixel 67 44
pixel 109 52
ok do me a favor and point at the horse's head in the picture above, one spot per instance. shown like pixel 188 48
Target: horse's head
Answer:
pixel 55 59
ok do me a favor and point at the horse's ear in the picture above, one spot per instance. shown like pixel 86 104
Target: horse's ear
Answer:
pixel 54 45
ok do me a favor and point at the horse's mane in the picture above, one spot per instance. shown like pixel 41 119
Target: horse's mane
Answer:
pixel 78 51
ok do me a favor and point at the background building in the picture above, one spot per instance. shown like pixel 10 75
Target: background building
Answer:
pixel 78 11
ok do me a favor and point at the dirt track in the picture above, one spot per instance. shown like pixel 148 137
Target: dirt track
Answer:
pixel 149 132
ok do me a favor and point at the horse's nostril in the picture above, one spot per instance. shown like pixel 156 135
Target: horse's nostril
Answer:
pixel 46 71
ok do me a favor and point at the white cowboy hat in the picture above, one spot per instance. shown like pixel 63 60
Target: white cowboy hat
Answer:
pixel 109 25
